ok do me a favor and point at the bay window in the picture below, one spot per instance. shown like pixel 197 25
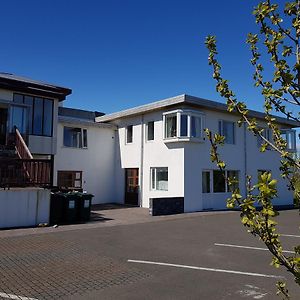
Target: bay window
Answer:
pixel 183 125
pixel 290 137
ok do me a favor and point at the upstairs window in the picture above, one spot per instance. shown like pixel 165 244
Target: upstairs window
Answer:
pixel 290 137
pixel 150 131
pixel 129 134
pixel 183 125
pixel 75 137
pixel 171 126
pixel 227 129
pixel 266 133
pixel 40 113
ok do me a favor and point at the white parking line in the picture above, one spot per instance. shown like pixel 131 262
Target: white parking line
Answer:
pixel 252 248
pixel 202 268
pixel 290 235
pixel 11 296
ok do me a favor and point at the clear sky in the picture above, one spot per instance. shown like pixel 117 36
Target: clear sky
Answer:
pixel 117 54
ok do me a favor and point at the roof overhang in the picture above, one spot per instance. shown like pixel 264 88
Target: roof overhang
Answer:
pixel 28 86
pixel 186 100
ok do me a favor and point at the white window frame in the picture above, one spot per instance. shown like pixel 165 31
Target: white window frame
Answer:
pixel 81 134
pixel 221 121
pixel 153 187
pixel 294 142
pixel 189 114
pixel 211 183
pixel 126 135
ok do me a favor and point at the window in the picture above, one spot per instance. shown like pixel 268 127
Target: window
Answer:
pixel 150 131
pixel 219 181
pixel 290 137
pixel 69 179
pixel 171 126
pixel 159 179
pixel 183 125
pixel 215 181
pixel 227 129
pixel 39 112
pixel 75 137
pixel 266 134
pixel 129 134
pixel 18 118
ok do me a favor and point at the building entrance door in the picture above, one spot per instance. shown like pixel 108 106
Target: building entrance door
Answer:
pixel 132 186
pixel 3 125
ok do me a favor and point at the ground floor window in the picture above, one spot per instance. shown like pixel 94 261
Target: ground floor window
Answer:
pixel 214 181
pixel 159 179
pixel 69 179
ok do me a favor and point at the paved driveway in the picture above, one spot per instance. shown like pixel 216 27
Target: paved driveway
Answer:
pixel 191 256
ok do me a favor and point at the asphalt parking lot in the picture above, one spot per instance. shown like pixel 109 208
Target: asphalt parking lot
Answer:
pixel 198 256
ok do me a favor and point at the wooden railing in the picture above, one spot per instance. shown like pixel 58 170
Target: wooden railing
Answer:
pixel 21 147
pixel 25 172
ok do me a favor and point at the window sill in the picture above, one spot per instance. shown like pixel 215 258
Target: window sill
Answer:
pixel 184 139
pixel 66 147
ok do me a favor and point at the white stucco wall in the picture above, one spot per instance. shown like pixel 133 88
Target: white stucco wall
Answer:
pixel 24 207
pixel 187 160
pixel 97 162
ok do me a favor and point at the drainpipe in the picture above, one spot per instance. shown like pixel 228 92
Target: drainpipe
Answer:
pixel 245 157
pixel 142 160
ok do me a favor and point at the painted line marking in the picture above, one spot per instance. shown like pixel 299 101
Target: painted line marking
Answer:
pixel 12 296
pixel 202 268
pixel 252 248
pixel 290 235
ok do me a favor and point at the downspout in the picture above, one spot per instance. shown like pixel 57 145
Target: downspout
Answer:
pixel 142 160
pixel 245 158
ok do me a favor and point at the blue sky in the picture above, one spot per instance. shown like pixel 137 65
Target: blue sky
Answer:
pixel 122 53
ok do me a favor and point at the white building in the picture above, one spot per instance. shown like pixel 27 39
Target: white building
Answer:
pixel 156 151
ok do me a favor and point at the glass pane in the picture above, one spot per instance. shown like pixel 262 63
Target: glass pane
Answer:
pixel 48 117
pixel 183 125
pixel 38 116
pixel 171 126
pixel 205 182
pixel 195 126
pixel 29 101
pixel 85 144
pixel 18 118
pixel 234 177
pixel 152 170
pixel 162 179
pixel 150 131
pixel 228 132
pixel 129 134
pixel 18 98
pixel 219 181
pixel 72 137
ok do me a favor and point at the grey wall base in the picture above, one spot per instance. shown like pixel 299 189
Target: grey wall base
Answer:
pixel 166 206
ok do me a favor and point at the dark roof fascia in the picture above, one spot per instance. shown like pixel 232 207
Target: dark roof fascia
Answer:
pixel 35 88
pixel 79 113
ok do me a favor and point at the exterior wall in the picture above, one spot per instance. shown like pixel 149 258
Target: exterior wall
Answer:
pixel 187 160
pixel 244 156
pixel 97 162
pixel 24 207
pixel 144 154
